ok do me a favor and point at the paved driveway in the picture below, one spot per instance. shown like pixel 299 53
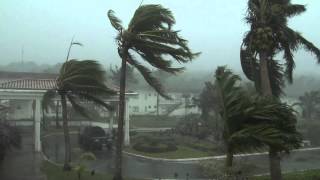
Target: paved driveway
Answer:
pixel 22 164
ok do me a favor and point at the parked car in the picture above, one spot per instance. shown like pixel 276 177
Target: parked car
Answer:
pixel 94 138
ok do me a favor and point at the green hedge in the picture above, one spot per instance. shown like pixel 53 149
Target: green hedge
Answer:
pixel 154 148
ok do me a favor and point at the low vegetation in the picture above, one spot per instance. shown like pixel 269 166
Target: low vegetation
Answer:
pixel 149 121
pixel 302 175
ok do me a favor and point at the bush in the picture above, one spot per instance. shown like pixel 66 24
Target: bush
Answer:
pixel 9 138
pixel 154 144
pixel 216 169
pixel 193 126
pixel 89 138
pixel 154 148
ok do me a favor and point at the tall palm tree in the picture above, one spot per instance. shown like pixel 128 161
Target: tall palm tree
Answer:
pixel 270 34
pixel 150 36
pixel 78 80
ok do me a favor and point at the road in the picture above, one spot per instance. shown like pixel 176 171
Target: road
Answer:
pixel 144 168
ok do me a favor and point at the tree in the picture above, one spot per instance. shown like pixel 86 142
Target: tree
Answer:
pixel 208 102
pixel 78 80
pixel 269 34
pixel 231 102
pixel 310 102
pixel 251 121
pixel 149 35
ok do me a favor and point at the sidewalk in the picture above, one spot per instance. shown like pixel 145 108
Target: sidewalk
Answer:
pixel 22 164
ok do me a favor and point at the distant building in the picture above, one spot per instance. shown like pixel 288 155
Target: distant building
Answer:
pixel 145 103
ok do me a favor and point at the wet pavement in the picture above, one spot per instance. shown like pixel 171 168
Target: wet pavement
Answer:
pixel 143 168
pixel 22 164
pixel 132 166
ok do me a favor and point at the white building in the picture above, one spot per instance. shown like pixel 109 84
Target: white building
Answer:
pixel 23 98
pixel 145 103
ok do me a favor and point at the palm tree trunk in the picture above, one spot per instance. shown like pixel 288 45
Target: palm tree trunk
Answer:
pixel 274 157
pixel 57 115
pixel 118 172
pixel 264 75
pixel 229 158
pixel 275 166
pixel 67 157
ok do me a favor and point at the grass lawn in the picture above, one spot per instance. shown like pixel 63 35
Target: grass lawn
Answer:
pixel 54 172
pixel 153 121
pixel 182 152
pixel 303 175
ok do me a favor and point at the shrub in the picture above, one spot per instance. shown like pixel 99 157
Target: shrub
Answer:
pixel 155 148
pixel 155 144
pixel 9 138
pixel 216 169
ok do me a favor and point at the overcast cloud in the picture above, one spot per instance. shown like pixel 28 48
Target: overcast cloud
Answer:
pixel 215 27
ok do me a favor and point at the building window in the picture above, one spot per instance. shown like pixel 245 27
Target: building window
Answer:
pixel 155 106
pixel 149 107
pixel 145 108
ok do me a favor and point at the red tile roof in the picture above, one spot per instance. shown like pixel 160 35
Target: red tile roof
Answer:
pixel 35 84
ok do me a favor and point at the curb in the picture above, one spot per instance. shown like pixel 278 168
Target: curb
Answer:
pixel 194 160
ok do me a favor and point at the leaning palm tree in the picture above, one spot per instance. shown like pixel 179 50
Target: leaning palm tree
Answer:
pixel 270 34
pixel 150 36
pixel 231 102
pixel 78 80
pixel 252 122
pixel 271 124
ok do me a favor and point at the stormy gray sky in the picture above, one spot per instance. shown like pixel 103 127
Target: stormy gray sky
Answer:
pixel 215 27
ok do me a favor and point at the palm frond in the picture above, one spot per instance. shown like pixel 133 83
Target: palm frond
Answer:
pixel 309 46
pixel 147 74
pixel 47 99
pixel 77 43
pixel 151 17
pixel 96 100
pixel 294 9
pixel 115 22
pixel 77 107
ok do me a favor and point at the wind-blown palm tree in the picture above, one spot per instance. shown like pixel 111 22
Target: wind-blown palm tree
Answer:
pixel 252 122
pixel 78 80
pixel 270 34
pixel 150 36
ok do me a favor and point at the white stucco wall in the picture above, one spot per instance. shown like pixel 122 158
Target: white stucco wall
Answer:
pixel 20 109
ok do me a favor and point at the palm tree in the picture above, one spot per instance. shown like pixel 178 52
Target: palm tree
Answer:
pixel 269 34
pixel 149 35
pixel 78 80
pixel 252 122
pixel 231 101
pixel 310 102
